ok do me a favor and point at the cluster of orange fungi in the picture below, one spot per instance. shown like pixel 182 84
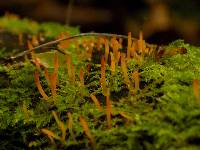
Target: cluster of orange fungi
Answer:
pixel 135 50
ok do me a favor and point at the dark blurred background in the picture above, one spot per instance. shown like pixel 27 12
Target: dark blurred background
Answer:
pixel 162 21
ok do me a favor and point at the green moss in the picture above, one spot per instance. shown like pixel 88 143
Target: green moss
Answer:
pixel 50 30
pixel 163 114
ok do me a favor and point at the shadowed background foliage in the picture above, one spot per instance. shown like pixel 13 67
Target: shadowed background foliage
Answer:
pixel 161 20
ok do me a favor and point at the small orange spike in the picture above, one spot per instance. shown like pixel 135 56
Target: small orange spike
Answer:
pixel 132 50
pixel 108 111
pixel 46 74
pixel 53 82
pixel 29 45
pixel 112 65
pixel 82 77
pixel 89 49
pixel 117 58
pixel 140 42
pixel 96 101
pixel 64 44
pixel 124 69
pixel 136 78
pixel 196 90
pixel 120 42
pixel 106 50
pixel 37 62
pixel 115 47
pixel 123 114
pixel 34 41
pixel 70 125
pixel 84 43
pixel 103 76
pixel 37 82
pixel 103 69
pixel 51 135
pixel 60 125
pixel 100 40
pixel 86 129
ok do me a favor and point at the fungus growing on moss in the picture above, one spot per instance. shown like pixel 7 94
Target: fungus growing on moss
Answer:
pixel 196 90
pixel 112 63
pixel 96 101
pixel 61 126
pixel 86 129
pixel 81 77
pixel 103 77
pixel 106 49
pixel 39 86
pixel 136 79
pixel 124 69
pixel 70 126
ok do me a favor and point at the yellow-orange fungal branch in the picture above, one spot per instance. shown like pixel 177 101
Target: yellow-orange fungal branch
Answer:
pixel 70 125
pixel 64 44
pixel 100 41
pixel 53 82
pixel 136 78
pixel 82 77
pixel 46 75
pixel 84 43
pixel 29 45
pixel 96 101
pixel 108 111
pixel 112 63
pixel 36 61
pixel 132 51
pixel 140 42
pixel 115 47
pixel 106 50
pixel 86 129
pixel 60 125
pixel 52 78
pixel 196 90
pixel 35 41
pixel 124 69
pixel 103 76
pixel 51 135
pixel 147 51
pixel 90 45
pixel 123 114
pixel 120 42
pixel 40 89
pixel 117 58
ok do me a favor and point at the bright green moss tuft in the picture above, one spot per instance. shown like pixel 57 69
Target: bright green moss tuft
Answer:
pixel 162 114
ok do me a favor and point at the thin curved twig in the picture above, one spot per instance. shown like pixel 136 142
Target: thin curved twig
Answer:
pixel 69 38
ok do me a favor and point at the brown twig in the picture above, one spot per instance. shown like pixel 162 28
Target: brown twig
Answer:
pixel 69 38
